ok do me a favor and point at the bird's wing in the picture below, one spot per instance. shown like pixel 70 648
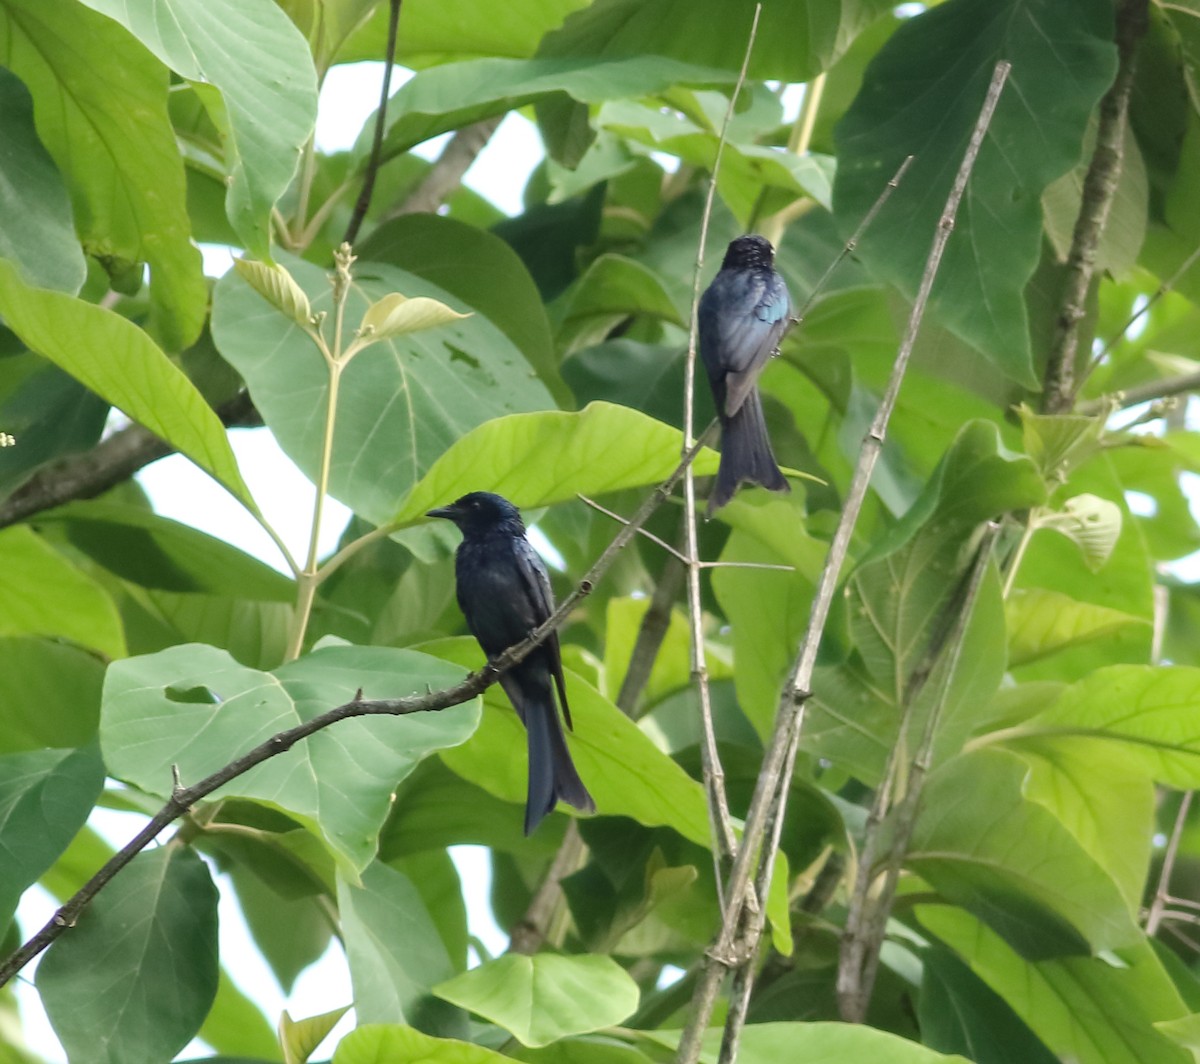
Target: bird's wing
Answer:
pixel 537 592
pixel 742 328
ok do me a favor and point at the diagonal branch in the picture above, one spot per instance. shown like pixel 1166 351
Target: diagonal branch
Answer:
pixel 475 683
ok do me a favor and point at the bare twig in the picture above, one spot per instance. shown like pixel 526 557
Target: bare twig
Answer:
pixel 1145 393
pixel 770 794
pixel 109 463
pixel 368 188
pixel 1144 309
pixel 724 841
pixel 432 701
pixel 529 932
pixel 1157 907
pixel 866 920
pixel 1099 190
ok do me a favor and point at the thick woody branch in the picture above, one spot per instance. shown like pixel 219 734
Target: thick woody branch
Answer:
pixel 1099 190
pixel 109 463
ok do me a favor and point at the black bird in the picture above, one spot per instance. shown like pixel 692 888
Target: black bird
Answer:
pixel 741 319
pixel 504 593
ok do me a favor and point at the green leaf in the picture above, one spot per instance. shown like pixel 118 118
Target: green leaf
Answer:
pixel 543 998
pixel 814 1043
pixel 1122 997
pixel 402 401
pixel 1058 443
pixel 984 845
pixel 395 952
pixel 49 413
pixel 767 610
pixel 49 694
pixel 477 267
pixel 624 771
pixel 1091 523
pixel 339 782
pixel 1042 622
pixel 1184 1032
pixel 795 40
pixel 156 552
pixel 1063 60
pixel 37 230
pixel 100 104
pixel 277 287
pixel 235 1024
pixel 1150 711
pixel 959 1012
pixel 251 52
pixel 1105 801
pixel 44 594
pixel 396 314
pixel 300 1038
pixel 600 449
pixel 134 979
pixel 118 361
pixel 450 97
pixel 402 1045
pixel 613 288
pixel 46 796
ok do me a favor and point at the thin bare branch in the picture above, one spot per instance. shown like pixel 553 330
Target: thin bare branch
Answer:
pixel 1158 906
pixel 363 203
pixel 770 794
pixel 1166 388
pixel 720 821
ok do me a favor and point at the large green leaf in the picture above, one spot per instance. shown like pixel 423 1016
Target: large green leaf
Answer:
pixel 156 552
pixel 900 603
pixel 48 413
pixel 195 708
pixel 449 97
pixel 796 38
pixel 1151 712
pixel 961 1013
pixel 481 270
pixel 394 952
pixel 44 594
pixel 250 51
pixel 624 771
pixel 375 1043
pixel 45 798
pixel 982 843
pixel 133 980
pixel 546 997
pixel 100 104
pixel 49 694
pixel 37 230
pixel 1094 1010
pixel 814 1043
pixel 1041 622
pixel 402 401
pixel 1063 60
pixel 118 361
pixel 538 459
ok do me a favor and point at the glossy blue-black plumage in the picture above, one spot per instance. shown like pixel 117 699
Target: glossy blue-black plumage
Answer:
pixel 742 317
pixel 504 593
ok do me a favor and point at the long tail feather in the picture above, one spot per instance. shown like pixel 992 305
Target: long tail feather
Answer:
pixel 746 455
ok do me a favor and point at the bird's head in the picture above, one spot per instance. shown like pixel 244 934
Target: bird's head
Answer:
pixel 752 251
pixel 481 511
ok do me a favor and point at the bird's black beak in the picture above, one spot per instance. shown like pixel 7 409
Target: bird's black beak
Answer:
pixel 449 512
